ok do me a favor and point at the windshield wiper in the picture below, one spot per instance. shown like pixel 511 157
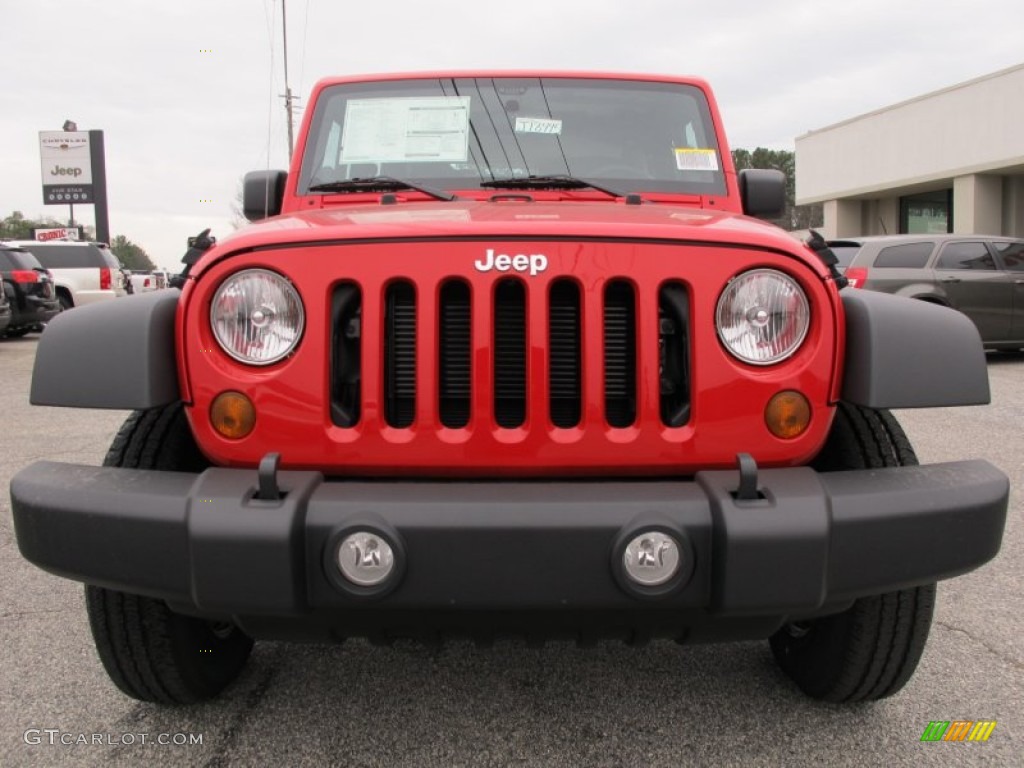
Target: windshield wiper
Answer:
pixel 379 184
pixel 552 181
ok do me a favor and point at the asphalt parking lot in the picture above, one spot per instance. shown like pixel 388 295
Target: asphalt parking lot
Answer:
pixel 658 705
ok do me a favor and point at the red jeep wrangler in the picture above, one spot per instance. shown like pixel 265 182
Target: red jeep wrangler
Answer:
pixel 508 354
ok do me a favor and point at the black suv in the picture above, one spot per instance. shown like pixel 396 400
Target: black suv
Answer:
pixel 30 290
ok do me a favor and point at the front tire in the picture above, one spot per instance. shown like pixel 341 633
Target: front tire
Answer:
pixel 870 650
pixel 150 652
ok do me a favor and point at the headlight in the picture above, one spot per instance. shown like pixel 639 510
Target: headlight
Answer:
pixel 762 316
pixel 257 317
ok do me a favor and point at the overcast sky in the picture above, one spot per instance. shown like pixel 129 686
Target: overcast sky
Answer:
pixel 186 92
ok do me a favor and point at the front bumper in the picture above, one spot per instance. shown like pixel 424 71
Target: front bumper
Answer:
pixel 812 542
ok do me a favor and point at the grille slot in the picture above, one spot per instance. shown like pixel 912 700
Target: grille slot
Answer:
pixel 454 371
pixel 674 354
pixel 400 354
pixel 619 354
pixel 509 353
pixel 565 370
pixel 465 391
pixel 346 367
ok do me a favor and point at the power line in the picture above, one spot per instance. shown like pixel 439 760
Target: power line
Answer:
pixel 287 88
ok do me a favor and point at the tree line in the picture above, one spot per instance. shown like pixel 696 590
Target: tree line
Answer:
pixel 794 216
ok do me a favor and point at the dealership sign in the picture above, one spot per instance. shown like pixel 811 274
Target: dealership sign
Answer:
pixel 58 233
pixel 67 167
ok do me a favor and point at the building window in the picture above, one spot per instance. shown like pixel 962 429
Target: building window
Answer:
pixel 930 213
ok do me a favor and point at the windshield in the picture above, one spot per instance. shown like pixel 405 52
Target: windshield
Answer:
pixel 455 133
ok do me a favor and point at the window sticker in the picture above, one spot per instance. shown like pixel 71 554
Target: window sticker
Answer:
pixel 538 125
pixel 696 159
pixel 406 130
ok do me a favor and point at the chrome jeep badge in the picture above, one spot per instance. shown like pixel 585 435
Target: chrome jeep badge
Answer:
pixel 534 263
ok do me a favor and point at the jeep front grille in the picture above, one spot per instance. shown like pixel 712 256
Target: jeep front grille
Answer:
pixel 524 387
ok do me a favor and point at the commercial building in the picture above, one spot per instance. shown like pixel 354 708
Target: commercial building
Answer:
pixel 948 161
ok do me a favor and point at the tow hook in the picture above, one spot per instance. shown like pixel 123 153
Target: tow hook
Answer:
pixel 747 490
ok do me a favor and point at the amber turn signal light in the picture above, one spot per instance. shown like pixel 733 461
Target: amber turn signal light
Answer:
pixel 787 414
pixel 232 415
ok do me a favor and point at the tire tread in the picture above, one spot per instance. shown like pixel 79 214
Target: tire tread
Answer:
pixel 147 650
pixel 871 650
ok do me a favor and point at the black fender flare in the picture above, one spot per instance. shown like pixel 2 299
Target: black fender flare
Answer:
pixel 113 354
pixel 907 353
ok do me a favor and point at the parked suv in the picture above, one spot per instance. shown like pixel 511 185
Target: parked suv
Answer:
pixel 30 290
pixel 511 355
pixel 83 272
pixel 982 276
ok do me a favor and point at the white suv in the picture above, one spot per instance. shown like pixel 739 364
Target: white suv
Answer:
pixel 83 272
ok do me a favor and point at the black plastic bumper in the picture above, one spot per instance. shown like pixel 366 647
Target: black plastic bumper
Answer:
pixel 39 310
pixel 205 543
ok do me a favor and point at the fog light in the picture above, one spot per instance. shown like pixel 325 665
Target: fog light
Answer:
pixel 365 558
pixel 233 415
pixel 787 415
pixel 652 558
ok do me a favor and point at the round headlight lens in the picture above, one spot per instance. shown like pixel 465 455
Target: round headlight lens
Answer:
pixel 762 316
pixel 257 317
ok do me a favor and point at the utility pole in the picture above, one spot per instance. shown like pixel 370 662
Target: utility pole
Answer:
pixel 287 88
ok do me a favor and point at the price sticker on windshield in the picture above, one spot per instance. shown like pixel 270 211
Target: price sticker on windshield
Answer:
pixel 696 159
pixel 538 125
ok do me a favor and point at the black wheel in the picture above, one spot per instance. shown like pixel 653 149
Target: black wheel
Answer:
pixel 150 652
pixel 65 301
pixel 17 333
pixel 870 650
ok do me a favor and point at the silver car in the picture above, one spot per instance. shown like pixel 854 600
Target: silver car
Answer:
pixel 980 275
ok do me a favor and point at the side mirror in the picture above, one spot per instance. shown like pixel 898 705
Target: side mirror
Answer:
pixel 262 193
pixel 763 192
